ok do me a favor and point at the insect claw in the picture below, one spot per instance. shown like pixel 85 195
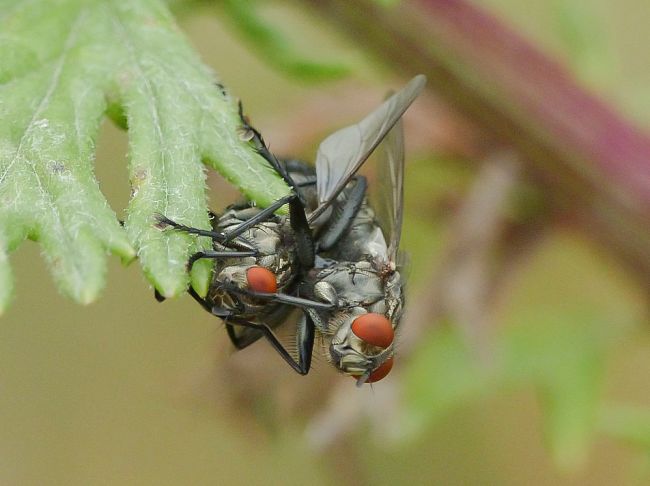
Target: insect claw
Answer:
pixel 246 135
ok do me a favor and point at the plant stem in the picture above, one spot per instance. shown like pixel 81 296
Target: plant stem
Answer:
pixel 595 164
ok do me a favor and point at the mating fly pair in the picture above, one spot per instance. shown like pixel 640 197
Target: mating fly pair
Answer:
pixel 333 256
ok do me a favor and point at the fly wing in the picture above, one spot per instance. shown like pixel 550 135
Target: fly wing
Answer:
pixel 390 191
pixel 341 154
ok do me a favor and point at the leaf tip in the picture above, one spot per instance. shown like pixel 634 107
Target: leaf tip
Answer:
pixel 86 295
pixel 124 250
pixel 200 277
pixel 170 287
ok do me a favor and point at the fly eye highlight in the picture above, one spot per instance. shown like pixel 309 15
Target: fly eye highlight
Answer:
pixel 374 329
pixel 262 280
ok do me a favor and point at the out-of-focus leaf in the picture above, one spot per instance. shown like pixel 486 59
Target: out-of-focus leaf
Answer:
pixel 568 309
pixel 563 357
pixel 584 39
pixel 443 374
pixel 566 312
pixel 563 361
pixel 628 423
pixel 68 63
pixel 387 3
pixel 274 48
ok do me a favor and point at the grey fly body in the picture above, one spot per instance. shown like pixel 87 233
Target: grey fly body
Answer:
pixel 333 256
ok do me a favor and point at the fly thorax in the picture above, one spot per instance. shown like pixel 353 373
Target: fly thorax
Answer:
pixel 349 284
pixel 265 237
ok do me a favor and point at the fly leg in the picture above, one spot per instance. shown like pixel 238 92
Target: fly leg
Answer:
pixel 263 150
pixel 260 217
pixel 163 222
pixel 240 341
pixel 305 170
pixel 305 247
pixel 204 303
pixel 215 255
pixel 245 337
pixel 298 221
pixel 280 298
pixel 306 334
pixel 308 182
pixel 297 217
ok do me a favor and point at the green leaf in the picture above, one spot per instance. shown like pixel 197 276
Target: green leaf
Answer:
pixel 65 65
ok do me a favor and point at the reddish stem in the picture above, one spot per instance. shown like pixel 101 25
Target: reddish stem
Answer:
pixel 595 163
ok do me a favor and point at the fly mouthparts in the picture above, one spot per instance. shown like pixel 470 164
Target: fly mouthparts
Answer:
pixel 362 379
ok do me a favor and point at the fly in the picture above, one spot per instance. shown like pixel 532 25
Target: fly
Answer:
pixel 331 257
pixel 259 258
pixel 359 243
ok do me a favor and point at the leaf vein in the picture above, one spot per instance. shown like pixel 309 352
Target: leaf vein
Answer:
pixel 56 76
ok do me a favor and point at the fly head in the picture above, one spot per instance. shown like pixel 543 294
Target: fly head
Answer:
pixel 363 346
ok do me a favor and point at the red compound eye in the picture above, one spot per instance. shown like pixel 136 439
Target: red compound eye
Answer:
pixel 374 329
pixel 261 279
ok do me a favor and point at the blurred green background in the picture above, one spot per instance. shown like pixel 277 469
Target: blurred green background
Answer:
pixel 129 391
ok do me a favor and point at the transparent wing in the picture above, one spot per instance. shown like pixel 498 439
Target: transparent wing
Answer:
pixel 389 194
pixel 341 154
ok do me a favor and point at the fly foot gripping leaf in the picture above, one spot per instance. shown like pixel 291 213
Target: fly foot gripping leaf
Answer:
pixel 67 64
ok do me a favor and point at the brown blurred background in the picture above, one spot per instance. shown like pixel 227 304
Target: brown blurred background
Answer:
pixel 129 391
